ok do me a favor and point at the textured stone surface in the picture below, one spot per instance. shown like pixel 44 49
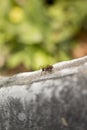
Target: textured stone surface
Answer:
pixel 56 103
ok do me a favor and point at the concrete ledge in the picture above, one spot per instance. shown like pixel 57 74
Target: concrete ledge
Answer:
pixel 51 101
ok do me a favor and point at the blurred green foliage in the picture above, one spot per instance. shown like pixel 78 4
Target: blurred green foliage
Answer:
pixel 39 32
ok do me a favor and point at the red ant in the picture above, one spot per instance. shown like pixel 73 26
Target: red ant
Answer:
pixel 48 68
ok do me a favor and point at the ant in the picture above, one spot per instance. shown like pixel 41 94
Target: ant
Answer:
pixel 48 68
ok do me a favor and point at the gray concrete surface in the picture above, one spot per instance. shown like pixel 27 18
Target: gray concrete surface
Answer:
pixel 54 101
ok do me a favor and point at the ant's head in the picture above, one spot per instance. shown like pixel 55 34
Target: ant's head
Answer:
pixel 43 69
